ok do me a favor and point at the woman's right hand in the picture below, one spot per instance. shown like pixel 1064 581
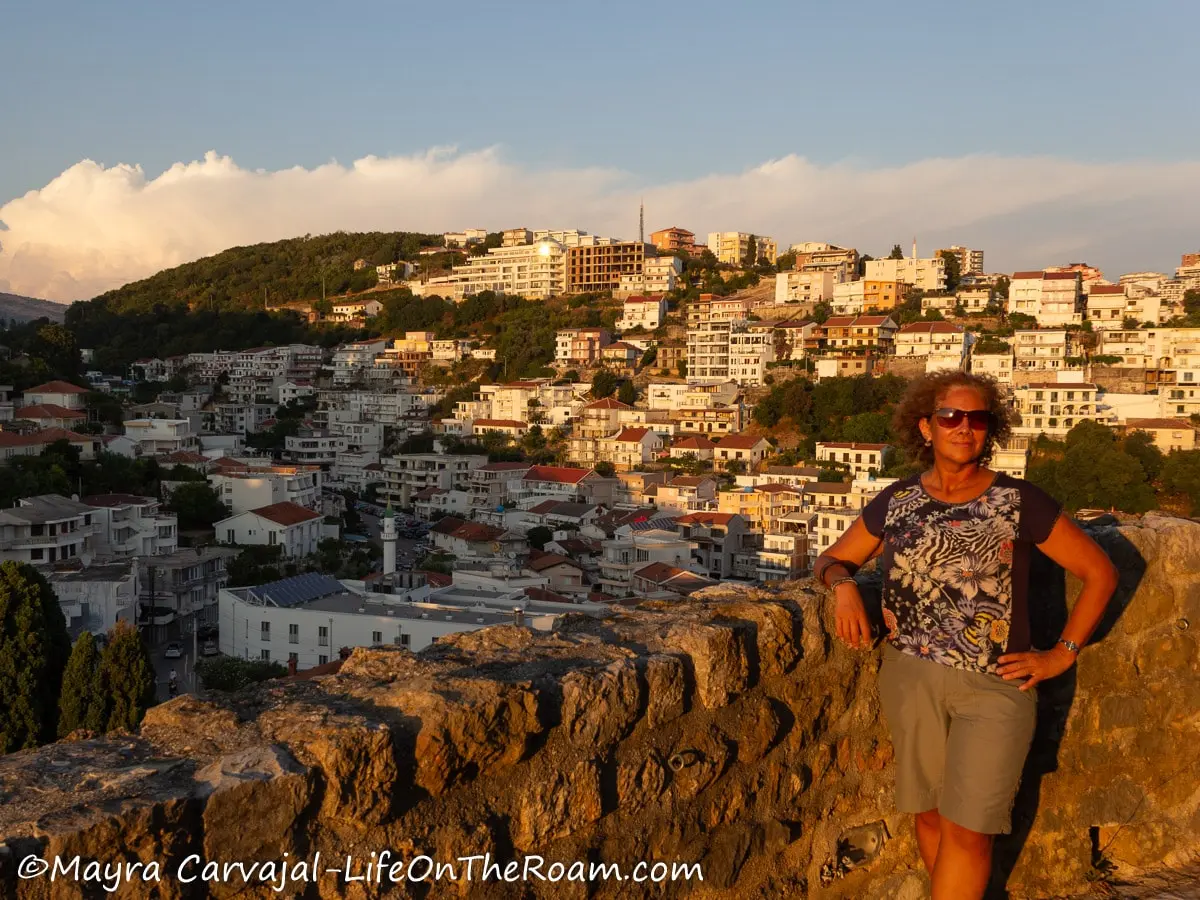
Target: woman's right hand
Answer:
pixel 853 626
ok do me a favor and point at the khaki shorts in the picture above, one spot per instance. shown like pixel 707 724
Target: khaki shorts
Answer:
pixel 960 739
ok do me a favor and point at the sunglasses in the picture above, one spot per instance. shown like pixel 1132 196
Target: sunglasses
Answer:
pixel 978 419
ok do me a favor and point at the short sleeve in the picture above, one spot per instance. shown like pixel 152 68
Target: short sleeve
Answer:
pixel 874 514
pixel 1039 513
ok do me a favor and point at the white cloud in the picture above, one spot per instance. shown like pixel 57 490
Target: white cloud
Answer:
pixel 94 228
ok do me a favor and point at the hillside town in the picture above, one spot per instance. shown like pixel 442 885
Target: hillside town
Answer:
pixel 383 492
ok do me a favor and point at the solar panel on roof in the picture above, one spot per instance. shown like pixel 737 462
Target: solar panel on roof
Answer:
pixel 288 592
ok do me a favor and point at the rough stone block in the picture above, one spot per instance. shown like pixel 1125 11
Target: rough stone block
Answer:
pixel 599 707
pixel 553 807
pixel 718 658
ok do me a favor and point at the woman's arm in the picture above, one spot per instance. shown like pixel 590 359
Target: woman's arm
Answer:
pixel 1072 549
pixel 842 560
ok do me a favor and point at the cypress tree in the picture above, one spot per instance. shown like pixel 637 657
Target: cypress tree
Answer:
pixel 34 647
pixel 128 677
pixel 82 704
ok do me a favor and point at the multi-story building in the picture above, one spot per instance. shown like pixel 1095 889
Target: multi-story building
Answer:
pixel 944 346
pixel 729 350
pixel 630 448
pixel 997 365
pixel 1042 349
pixel 580 346
pixel 393 273
pixel 742 451
pixel 816 256
pixel 804 287
pixel 295 528
pixel 239 418
pixel 600 267
pixel 56 393
pixel 659 275
pixel 488 484
pixel 711 421
pixel 762 506
pixel 715 538
pixel 536 271
pixel 859 458
pixel 1055 299
pixel 570 483
pixel 160 436
pixel 733 247
pixel 643 312
pixel 129 525
pixel 408 474
pixel 859 334
pixel 1168 434
pixel 355 310
pixel 242 487
pixel 47 528
pixel 970 262
pixel 355 469
pixel 687 493
pixel 351 361
pixel 463 239
pixel 314 447
pixel 1107 305
pixel 674 240
pixel 183 585
pixel 923 274
pixel 635 547
pixel 674 395
pixel 1054 408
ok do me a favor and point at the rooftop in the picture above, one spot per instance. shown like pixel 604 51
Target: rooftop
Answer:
pixel 286 513
pixel 56 387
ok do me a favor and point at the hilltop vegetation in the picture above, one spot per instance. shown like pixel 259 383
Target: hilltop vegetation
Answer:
pixel 279 272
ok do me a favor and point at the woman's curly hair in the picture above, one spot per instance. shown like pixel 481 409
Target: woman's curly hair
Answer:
pixel 925 394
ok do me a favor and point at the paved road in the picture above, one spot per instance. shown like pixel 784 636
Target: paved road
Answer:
pixel 184 667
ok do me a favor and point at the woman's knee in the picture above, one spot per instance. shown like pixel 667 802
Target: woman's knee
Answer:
pixel 964 837
pixel 931 818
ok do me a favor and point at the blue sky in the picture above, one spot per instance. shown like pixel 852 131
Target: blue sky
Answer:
pixel 659 93
pixel 683 96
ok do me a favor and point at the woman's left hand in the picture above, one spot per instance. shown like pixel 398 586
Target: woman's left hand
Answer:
pixel 1036 665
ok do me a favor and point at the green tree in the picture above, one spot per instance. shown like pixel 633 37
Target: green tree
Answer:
pixel 1094 472
pixel 1140 445
pixel 751 252
pixel 82 702
pixel 34 648
pixel 869 427
pixel 953 273
pixel 604 383
pixel 786 261
pixel 627 393
pixel 822 311
pixel 197 505
pixel 128 676
pixel 896 253
pixel 228 673
pixel 1002 287
pixel 681 368
pixel 605 469
pixel 539 536
pixel 1181 475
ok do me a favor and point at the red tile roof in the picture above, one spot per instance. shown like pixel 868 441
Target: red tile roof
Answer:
pixel 608 403
pixel 694 442
pixel 559 474
pixel 740 442
pixel 1027 275
pixel 852 446
pixel 286 513
pixel 689 480
pixel 56 387
pixel 631 435
pixel 61 434
pixel 48 411
pixel 1060 276
pixel 1108 289
pixel 930 328
pixel 706 518
pixel 541 595
pixel 501 423
pixel 544 507
pixel 1159 423
pixel 1062 386
pixel 549 561
pixel 775 487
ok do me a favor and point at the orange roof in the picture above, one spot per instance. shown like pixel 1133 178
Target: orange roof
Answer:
pixel 501 423
pixel 1158 423
pixel 549 561
pixel 689 480
pixel 631 435
pixel 56 387
pixel 1024 275
pixel 851 446
pixel 694 442
pixel 608 403
pixel 561 474
pixel 931 327
pixel 702 518
pixel 1108 289
pixel 286 513
pixel 740 442
pixel 48 411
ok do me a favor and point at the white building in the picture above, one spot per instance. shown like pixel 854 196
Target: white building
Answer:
pixel 660 275
pixel 244 487
pixel 404 476
pixel 1054 408
pixel 354 360
pixel 1055 299
pixel 676 396
pixel 860 458
pixel 161 436
pixel 393 273
pixel 288 525
pixel 535 271
pixel 720 351
pixel 933 340
pixel 849 298
pixel 970 262
pixel 46 529
pixel 923 274
pixel 314 447
pixel 1042 349
pixel 643 312
pixel 94 597
pixel 995 365
pixel 804 287
pixel 129 525
pixel 1107 306
pixel 733 247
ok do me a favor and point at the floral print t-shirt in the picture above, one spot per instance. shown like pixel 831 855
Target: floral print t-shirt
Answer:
pixel 956 575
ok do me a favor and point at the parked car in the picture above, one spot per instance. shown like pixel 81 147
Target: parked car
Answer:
pixel 210 648
pixel 173 651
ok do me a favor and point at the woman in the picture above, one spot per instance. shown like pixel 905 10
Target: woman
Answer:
pixel 958 674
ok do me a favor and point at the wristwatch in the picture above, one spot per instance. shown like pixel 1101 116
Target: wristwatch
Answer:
pixel 1070 645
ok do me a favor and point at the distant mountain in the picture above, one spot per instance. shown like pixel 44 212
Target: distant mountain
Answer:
pixel 25 309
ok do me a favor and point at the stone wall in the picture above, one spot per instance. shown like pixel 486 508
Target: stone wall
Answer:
pixel 731 730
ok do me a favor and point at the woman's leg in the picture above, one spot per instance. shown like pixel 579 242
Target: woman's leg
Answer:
pixel 964 863
pixel 929 834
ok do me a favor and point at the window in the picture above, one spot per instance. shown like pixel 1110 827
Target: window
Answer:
pixel 293 634
pixel 323 635
pixel 376 637
pixel 294 657
pixel 264 654
pixel 271 539
pixel 36 553
pixel 322 659
pixel 229 538
pixel 265 630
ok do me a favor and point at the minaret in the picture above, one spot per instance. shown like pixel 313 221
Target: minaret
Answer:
pixel 387 531
pixel 642 240
pixel 914 249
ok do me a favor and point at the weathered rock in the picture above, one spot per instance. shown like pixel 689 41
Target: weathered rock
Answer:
pixel 730 729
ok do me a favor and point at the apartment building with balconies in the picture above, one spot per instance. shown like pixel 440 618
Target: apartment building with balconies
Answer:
pixel 859 334
pixel 1054 408
pixel 1055 299
pixel 859 458
pixel 715 538
pixel 408 474
pixel 1042 350
pixel 128 525
pixel 580 346
pixel 675 240
pixel 643 312
pixel 242 487
pixel 314 447
pixel 633 547
pixel 45 529
pixel 598 268
pixel 733 247
pixel 922 274
pixel 804 287
pixel 183 585
pixel 659 275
